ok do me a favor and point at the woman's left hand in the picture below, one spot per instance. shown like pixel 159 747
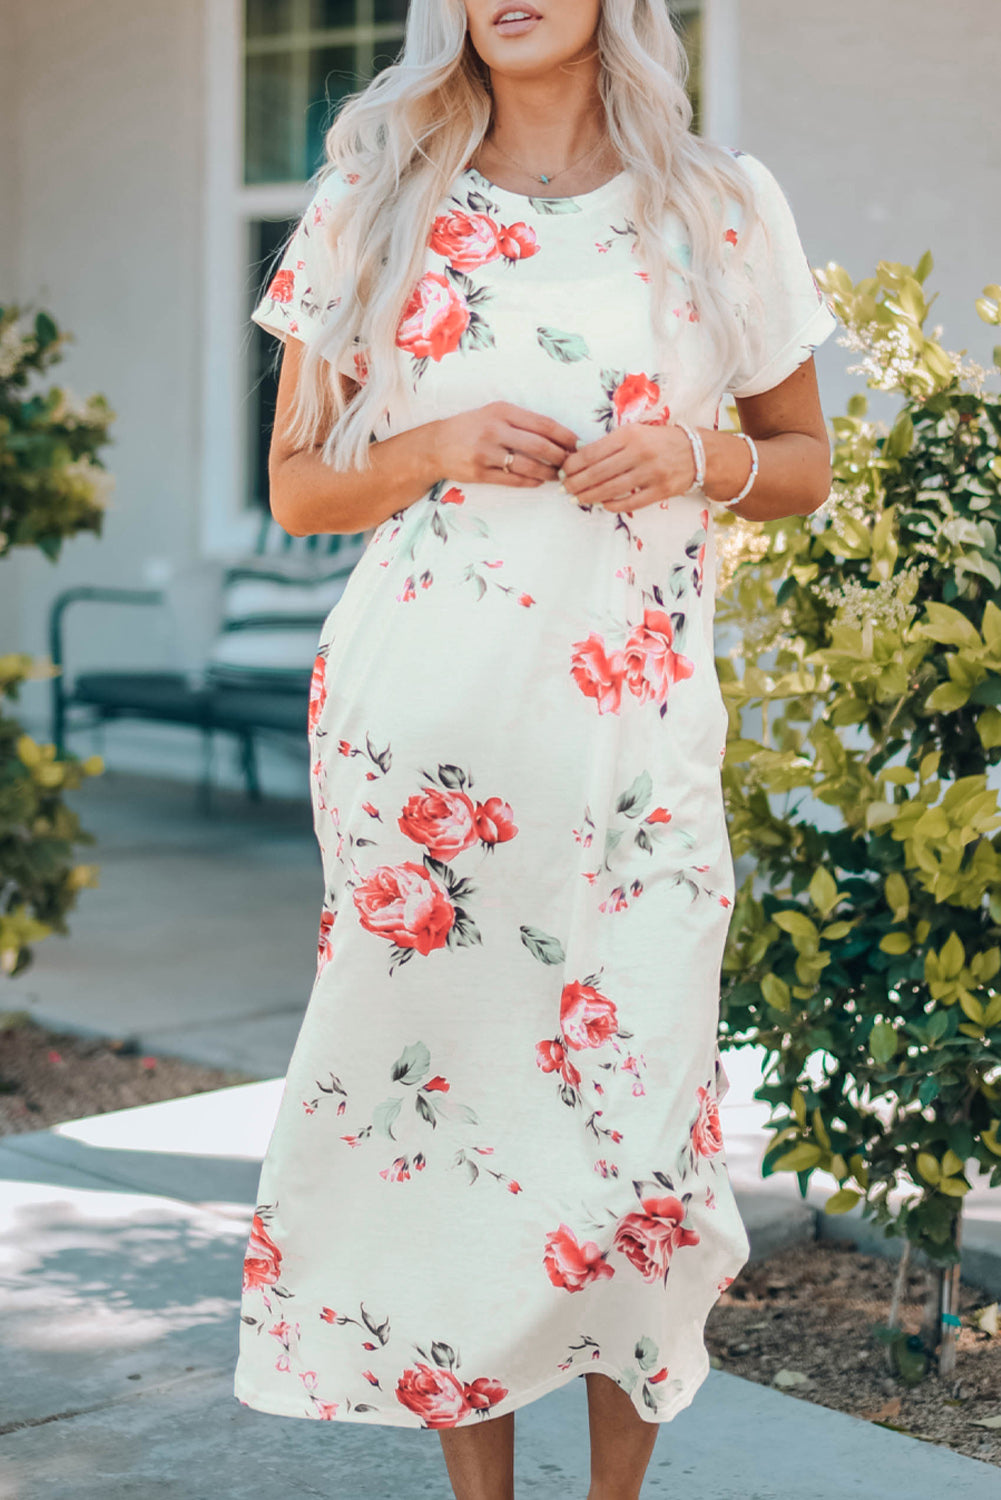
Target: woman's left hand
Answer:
pixel 637 464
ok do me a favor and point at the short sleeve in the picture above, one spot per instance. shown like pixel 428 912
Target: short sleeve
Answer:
pixel 790 317
pixel 304 288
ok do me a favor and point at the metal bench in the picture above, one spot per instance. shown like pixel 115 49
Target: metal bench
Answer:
pixel 277 704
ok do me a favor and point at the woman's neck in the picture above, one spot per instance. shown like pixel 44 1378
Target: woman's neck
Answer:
pixel 542 126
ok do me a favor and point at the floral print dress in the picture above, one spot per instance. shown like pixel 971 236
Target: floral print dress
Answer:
pixel 497 1163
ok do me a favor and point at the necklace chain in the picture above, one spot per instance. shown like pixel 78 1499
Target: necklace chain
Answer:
pixel 547 177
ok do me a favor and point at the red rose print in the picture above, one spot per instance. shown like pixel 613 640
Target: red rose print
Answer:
pixel 707 1133
pixel 437 1085
pixel 403 904
pixel 445 822
pixel 649 1239
pixel 660 1375
pixel 325 949
pixel 551 1055
pixel 651 665
pixel 361 367
pixel 454 496
pixel 317 691
pixel 731 236
pixel 494 821
pixel 434 319
pixel 484 1392
pixel 436 1396
pixel 571 1265
pixel 587 1018
pixel 328 1315
pixel 326 1409
pixel 598 674
pixel 465 240
pixel 263 1261
pixel 659 815
pixel 634 398
pixel 282 286
pixel 518 242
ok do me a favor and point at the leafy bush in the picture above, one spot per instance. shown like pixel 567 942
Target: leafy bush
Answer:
pixel 52 486
pixel 869 933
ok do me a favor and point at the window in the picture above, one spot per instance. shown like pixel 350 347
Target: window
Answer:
pixel 280 68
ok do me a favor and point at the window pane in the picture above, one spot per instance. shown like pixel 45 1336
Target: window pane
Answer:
pixel 331 13
pixel 272 134
pixel 266 238
pixel 331 76
pixel 390 10
pixel 268 17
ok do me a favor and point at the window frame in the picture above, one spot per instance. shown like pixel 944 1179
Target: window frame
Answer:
pixel 228 524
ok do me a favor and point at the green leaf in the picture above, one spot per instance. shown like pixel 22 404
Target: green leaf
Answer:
pixel 776 992
pixel 384 1114
pixel 928 1167
pixel 823 890
pixel 567 348
pixel 542 945
pixel 883 1042
pixel 555 205
pixel 949 627
pixel 413 1064
pixel 989 728
pixel 841 1201
pixel 896 943
pixel 799 927
pixel 800 1159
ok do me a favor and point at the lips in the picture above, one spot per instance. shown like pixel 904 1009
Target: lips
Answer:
pixel 504 10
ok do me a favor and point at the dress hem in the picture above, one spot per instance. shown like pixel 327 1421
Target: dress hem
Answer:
pixel 275 1407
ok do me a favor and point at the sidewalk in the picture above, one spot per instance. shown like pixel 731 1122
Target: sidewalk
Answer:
pixel 121 1236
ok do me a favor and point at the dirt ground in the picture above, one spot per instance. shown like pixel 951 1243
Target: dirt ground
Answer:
pixel 47 1077
pixel 812 1309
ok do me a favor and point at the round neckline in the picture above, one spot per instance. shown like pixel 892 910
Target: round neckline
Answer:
pixel 595 194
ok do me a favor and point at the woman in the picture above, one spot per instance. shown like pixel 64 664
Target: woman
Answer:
pixel 497 1163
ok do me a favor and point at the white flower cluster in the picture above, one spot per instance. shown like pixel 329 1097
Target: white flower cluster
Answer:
pixel 98 483
pixel 14 346
pixel 72 410
pixel 888 605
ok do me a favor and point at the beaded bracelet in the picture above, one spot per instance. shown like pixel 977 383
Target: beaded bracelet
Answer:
pixel 751 477
pixel 698 453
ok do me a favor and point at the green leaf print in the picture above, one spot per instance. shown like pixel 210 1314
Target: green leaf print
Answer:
pixel 648 1397
pixel 384 1114
pixel 565 347
pixel 555 205
pixel 541 945
pixel 413 1064
pixel 646 1353
pixel 633 801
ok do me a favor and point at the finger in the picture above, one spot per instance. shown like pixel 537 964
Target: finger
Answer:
pixel 591 453
pixel 615 489
pixel 617 467
pixel 546 427
pixel 521 472
pixel 532 446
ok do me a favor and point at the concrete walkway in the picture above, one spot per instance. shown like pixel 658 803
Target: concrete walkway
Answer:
pixel 121 1236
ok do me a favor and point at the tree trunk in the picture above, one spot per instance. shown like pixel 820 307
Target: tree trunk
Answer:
pixel 940 1326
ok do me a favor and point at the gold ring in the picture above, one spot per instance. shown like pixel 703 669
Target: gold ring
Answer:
pixel 508 461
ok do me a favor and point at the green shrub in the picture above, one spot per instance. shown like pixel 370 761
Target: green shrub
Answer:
pixel 52 486
pixel 868 935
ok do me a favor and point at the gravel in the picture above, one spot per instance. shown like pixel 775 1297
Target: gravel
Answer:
pixel 811 1311
pixel 47 1077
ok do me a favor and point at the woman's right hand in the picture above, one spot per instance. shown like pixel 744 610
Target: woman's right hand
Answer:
pixel 471 447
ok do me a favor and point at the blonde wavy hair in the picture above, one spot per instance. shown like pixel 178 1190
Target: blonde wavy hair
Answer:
pixel 409 133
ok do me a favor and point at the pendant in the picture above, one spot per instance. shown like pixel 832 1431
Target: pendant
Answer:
pixel 543 177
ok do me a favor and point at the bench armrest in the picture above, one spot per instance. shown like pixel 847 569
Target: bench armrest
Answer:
pixel 84 593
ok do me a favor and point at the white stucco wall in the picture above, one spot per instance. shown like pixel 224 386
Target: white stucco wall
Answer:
pixel 879 117
pixel 107 143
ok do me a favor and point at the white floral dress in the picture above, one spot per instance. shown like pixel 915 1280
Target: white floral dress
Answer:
pixel 497 1162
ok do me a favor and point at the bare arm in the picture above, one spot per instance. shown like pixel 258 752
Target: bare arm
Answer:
pixel 794 451
pixel 309 496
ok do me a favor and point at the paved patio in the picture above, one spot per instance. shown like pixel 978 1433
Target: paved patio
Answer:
pixel 121 1236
